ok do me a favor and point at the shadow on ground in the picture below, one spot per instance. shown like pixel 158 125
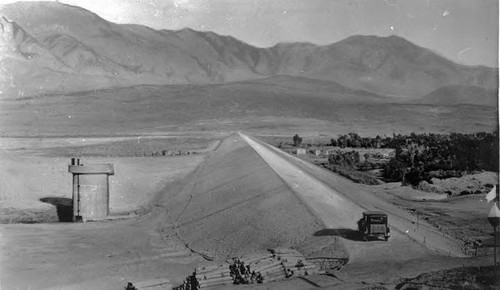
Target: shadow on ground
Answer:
pixel 349 234
pixel 63 205
pixel 344 233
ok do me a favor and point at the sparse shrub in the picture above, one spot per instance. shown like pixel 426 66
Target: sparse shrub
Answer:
pixel 297 140
pixel 354 175
pixel 415 175
pixel 347 159
pixel 395 170
pixel 428 187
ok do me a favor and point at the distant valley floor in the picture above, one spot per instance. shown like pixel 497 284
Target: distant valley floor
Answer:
pixel 276 106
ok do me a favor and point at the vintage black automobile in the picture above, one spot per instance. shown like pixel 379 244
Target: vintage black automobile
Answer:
pixel 374 224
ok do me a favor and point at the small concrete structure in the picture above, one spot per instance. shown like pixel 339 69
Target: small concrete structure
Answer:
pixel 90 190
pixel 299 151
pixel 316 152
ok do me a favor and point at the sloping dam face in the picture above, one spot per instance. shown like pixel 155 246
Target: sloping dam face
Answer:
pixel 239 205
pixel 248 196
pixel 338 202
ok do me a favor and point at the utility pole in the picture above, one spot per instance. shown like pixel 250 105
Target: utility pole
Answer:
pixel 494 219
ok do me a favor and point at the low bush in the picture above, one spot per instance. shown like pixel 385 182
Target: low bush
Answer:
pixel 354 175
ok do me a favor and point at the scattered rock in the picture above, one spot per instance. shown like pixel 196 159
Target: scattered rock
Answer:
pixel 427 187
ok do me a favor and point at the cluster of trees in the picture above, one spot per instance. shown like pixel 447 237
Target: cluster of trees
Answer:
pixel 297 140
pixel 423 156
pixel 347 159
pixel 353 140
pixel 352 160
pixel 348 163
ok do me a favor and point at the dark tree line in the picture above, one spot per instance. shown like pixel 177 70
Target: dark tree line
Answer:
pixel 423 156
pixel 346 159
pixel 353 140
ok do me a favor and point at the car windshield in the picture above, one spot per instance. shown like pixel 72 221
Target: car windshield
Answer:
pixel 377 220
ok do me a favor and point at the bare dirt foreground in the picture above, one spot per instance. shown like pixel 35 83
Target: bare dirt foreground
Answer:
pixel 26 181
pixel 245 197
pixel 99 255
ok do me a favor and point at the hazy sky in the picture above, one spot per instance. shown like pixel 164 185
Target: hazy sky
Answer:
pixel 465 31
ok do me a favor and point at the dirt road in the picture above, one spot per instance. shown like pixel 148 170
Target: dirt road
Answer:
pixel 339 211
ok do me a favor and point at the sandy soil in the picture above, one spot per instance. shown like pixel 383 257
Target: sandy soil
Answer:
pixel 396 190
pixel 25 179
pixel 104 255
pixel 232 203
pixel 90 256
pixel 463 217
pixel 478 183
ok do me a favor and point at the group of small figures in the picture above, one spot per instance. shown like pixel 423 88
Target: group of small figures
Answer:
pixel 243 275
pixel 189 284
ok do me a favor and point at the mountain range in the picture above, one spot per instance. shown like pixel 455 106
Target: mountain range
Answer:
pixel 49 47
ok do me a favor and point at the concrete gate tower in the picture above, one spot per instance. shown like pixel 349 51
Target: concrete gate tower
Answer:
pixel 90 190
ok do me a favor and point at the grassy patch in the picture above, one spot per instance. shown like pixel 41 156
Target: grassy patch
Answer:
pixel 354 175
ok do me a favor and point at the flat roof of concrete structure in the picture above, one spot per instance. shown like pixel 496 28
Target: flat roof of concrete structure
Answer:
pixel 92 169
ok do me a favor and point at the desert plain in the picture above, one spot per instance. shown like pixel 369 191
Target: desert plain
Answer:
pixel 200 172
